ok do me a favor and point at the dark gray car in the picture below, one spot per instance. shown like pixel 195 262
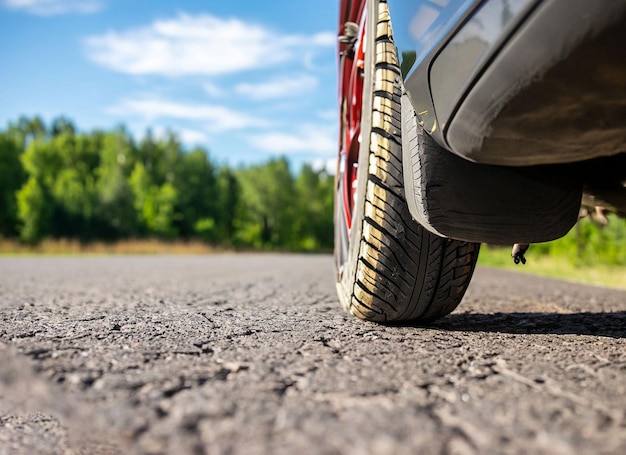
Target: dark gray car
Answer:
pixel 468 122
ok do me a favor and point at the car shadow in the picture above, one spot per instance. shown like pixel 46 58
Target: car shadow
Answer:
pixel 612 324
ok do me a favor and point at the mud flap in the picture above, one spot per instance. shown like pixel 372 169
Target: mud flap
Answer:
pixel 462 200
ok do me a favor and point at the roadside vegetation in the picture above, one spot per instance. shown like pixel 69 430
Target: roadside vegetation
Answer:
pixel 102 192
pixel 590 253
pixel 104 187
pixel 554 266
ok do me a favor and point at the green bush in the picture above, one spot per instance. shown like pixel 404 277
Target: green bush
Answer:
pixel 590 243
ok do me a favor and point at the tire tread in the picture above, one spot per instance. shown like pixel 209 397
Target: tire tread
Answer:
pixel 403 272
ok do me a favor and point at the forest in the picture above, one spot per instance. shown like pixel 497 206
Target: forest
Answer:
pixel 59 183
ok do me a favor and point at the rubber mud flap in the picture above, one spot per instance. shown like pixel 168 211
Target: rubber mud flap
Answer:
pixel 462 200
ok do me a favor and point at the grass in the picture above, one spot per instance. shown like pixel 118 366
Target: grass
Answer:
pixel 73 247
pixel 613 276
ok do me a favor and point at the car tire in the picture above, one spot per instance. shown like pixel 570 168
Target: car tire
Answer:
pixel 389 268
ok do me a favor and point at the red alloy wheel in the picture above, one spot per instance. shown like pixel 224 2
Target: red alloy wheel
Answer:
pixel 352 73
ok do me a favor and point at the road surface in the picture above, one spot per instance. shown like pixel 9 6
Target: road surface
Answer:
pixel 251 354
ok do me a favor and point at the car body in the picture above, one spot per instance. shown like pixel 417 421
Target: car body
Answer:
pixel 518 82
pixel 509 115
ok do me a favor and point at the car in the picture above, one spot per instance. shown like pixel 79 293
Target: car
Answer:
pixel 465 122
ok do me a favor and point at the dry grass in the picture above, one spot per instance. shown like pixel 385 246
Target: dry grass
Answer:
pixel 73 247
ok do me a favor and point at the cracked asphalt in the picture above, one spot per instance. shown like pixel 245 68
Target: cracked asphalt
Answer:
pixel 252 354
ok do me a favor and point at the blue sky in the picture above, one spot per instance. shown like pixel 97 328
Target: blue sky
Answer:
pixel 246 79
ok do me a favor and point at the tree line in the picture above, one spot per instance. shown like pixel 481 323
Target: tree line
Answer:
pixel 56 182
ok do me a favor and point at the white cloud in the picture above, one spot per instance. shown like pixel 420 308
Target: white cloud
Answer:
pixel 324 39
pixel 325 164
pixel 213 90
pixel 54 7
pixel 278 88
pixel 189 137
pixel 201 44
pixel 192 137
pixel 214 118
pixel 309 138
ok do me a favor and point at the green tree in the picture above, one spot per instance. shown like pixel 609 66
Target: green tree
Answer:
pixel 195 182
pixel 62 125
pixel 26 130
pixel 115 210
pixel 72 191
pixel 160 157
pixel 168 158
pixel 165 197
pixel 42 164
pixel 33 211
pixel 62 172
pixel 315 208
pixel 74 187
pixel 228 195
pixel 101 185
pixel 12 177
pixel 154 204
pixel 266 211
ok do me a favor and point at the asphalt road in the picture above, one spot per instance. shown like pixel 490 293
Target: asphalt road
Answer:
pixel 252 354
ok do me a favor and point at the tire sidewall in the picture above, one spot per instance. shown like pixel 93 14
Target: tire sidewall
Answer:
pixel 347 278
